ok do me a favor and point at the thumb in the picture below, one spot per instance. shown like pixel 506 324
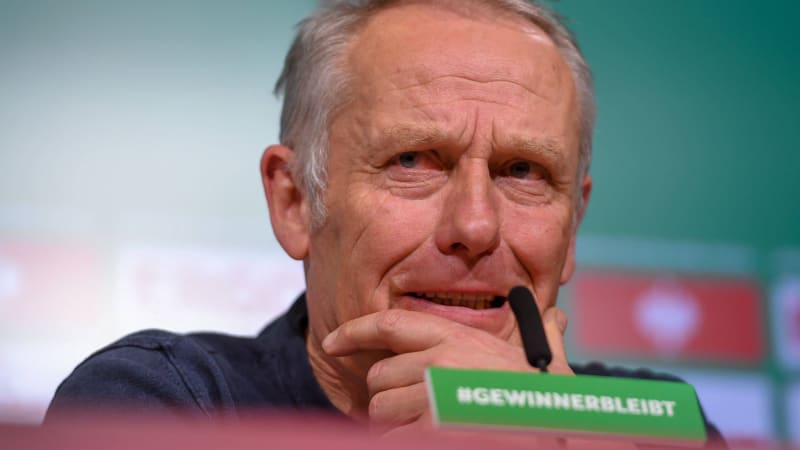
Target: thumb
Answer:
pixel 555 324
pixel 557 317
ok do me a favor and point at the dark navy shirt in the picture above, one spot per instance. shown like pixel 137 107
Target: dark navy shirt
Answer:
pixel 219 376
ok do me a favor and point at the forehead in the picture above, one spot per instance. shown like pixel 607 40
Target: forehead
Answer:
pixel 416 44
pixel 457 73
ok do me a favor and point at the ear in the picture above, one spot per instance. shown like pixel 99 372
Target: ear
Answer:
pixel 288 209
pixel 569 264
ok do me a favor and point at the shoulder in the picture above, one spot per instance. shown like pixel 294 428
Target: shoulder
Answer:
pixel 207 374
pixel 600 369
pixel 150 370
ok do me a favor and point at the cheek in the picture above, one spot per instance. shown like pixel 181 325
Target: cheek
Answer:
pixel 374 234
pixel 540 239
pixel 394 228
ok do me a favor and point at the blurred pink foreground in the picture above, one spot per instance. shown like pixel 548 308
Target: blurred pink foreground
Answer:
pixel 276 431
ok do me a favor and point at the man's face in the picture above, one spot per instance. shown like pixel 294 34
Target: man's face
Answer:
pixel 451 173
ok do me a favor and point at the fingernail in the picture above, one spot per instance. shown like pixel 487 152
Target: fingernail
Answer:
pixel 327 343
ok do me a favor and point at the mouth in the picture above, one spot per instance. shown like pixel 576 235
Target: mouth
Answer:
pixel 464 300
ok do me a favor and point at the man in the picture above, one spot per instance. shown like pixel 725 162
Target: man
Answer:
pixel 434 154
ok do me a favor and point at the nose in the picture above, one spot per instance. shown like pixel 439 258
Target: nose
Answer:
pixel 470 222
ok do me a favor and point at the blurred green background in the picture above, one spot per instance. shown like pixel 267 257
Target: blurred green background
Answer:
pixel 697 125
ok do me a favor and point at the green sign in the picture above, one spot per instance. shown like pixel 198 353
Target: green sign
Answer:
pixel 631 409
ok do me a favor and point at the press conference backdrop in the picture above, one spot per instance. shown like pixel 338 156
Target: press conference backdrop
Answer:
pixel 130 134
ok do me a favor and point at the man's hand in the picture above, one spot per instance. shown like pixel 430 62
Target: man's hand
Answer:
pixel 398 397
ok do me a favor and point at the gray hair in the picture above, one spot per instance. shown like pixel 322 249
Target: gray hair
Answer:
pixel 314 83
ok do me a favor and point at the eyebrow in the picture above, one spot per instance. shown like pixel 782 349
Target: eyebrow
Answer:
pixel 536 145
pixel 542 147
pixel 413 135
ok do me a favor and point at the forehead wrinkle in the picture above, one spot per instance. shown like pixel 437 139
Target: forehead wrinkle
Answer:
pixel 464 99
pixel 430 79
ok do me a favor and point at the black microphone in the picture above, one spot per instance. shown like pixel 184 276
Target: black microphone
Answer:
pixel 531 329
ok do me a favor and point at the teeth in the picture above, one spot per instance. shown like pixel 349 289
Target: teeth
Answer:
pixel 474 301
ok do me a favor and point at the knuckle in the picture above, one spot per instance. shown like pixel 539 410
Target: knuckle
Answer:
pixel 390 322
pixel 377 407
pixel 374 373
pixel 447 356
pixel 459 338
pixel 445 361
pixel 461 335
pixel 346 333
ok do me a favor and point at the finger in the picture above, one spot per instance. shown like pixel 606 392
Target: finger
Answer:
pixel 399 406
pixel 555 324
pixel 482 352
pixel 398 371
pixel 397 330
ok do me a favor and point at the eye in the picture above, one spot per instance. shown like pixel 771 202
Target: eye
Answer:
pixel 408 159
pixel 417 161
pixel 415 173
pixel 523 172
pixel 519 169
